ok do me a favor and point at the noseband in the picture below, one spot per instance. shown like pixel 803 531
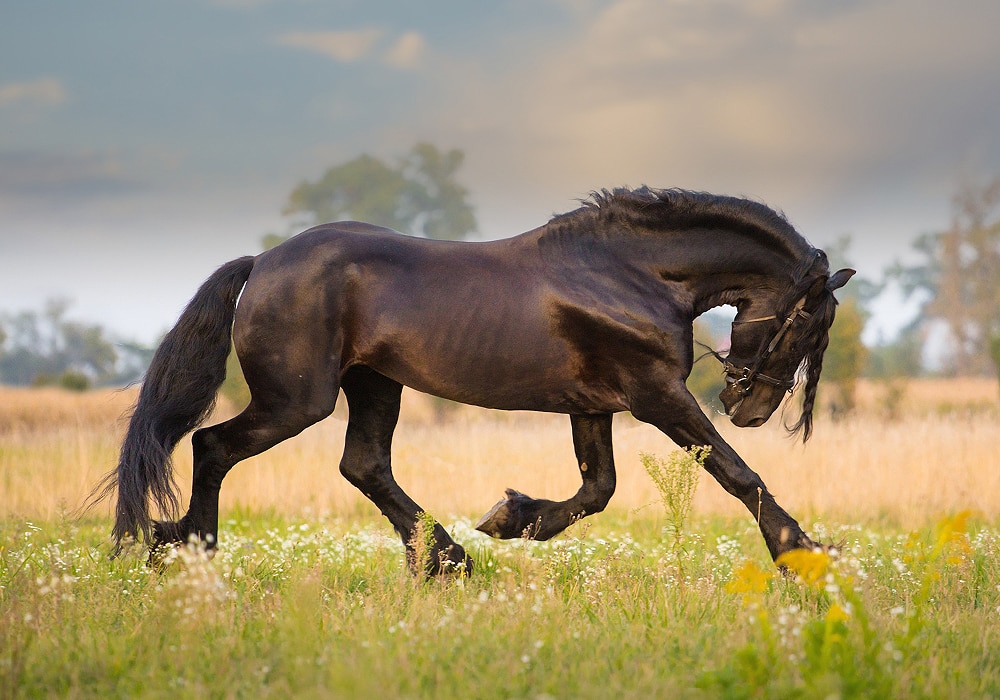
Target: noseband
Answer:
pixel 741 379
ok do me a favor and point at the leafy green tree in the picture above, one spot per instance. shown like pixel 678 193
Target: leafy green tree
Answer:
pixel 438 198
pixel 133 359
pixel 85 349
pixel 419 196
pixel 365 189
pixel 845 357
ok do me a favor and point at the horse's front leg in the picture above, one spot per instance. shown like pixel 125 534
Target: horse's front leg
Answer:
pixel 677 414
pixel 518 515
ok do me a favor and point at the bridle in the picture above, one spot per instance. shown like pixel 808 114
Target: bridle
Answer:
pixel 741 379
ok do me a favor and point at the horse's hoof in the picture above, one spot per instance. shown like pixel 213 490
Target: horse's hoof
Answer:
pixel 447 566
pixel 491 522
pixel 441 562
pixel 509 518
pixel 169 536
pixel 166 533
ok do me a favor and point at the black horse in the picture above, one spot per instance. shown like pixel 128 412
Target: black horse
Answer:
pixel 589 315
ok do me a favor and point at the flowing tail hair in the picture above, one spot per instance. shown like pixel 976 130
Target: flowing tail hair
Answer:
pixel 177 394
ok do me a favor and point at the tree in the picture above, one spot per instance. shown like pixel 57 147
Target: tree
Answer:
pixel 959 277
pixel 994 349
pixel 439 200
pixel 846 355
pixel 48 348
pixel 419 196
pixel 898 358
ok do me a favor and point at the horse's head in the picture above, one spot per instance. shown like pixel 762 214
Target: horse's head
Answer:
pixel 771 338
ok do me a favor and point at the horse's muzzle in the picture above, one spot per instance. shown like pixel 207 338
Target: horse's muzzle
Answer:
pixel 732 396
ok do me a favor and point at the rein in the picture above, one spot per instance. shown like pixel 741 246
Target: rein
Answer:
pixel 741 379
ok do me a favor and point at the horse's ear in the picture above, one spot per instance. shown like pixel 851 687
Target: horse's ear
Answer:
pixel 839 278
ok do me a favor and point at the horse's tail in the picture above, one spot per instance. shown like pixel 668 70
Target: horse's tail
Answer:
pixel 177 394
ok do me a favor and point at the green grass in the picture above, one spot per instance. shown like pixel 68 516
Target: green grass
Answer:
pixel 325 608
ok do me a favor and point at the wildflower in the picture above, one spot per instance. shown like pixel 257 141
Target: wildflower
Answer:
pixel 837 614
pixel 810 566
pixel 750 580
pixel 952 536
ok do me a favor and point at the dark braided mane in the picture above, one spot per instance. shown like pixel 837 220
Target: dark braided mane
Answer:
pixel 656 209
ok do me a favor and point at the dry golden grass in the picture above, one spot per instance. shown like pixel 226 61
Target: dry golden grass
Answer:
pixel 938 457
pixel 930 395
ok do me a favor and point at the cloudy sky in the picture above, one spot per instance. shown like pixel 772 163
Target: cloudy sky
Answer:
pixel 143 144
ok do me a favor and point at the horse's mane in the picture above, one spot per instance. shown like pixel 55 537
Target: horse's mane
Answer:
pixel 656 209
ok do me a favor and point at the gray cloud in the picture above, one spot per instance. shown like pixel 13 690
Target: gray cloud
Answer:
pixel 345 46
pixel 41 91
pixel 56 176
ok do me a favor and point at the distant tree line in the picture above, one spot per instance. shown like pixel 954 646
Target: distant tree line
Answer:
pixel 46 348
pixel 958 282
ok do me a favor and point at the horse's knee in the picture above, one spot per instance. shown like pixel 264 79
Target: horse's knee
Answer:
pixel 597 502
pixel 362 467
pixel 596 493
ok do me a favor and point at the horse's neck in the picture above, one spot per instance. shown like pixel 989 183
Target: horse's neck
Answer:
pixel 707 267
pixel 718 267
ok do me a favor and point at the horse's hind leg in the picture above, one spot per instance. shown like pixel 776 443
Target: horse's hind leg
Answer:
pixel 283 405
pixel 373 400
pixel 519 515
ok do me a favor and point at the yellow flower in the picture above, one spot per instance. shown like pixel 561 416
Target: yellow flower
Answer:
pixel 952 532
pixel 836 614
pixel 749 579
pixel 809 565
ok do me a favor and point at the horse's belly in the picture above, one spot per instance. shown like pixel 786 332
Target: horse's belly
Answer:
pixel 540 386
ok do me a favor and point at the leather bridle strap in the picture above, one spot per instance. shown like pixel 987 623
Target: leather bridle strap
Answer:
pixel 755 320
pixel 744 377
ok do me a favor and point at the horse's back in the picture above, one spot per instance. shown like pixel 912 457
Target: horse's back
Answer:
pixel 463 320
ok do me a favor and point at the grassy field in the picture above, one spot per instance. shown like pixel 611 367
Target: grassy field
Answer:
pixel 308 595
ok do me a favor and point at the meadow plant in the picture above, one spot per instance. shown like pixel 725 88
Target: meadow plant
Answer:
pixel 420 547
pixel 676 479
